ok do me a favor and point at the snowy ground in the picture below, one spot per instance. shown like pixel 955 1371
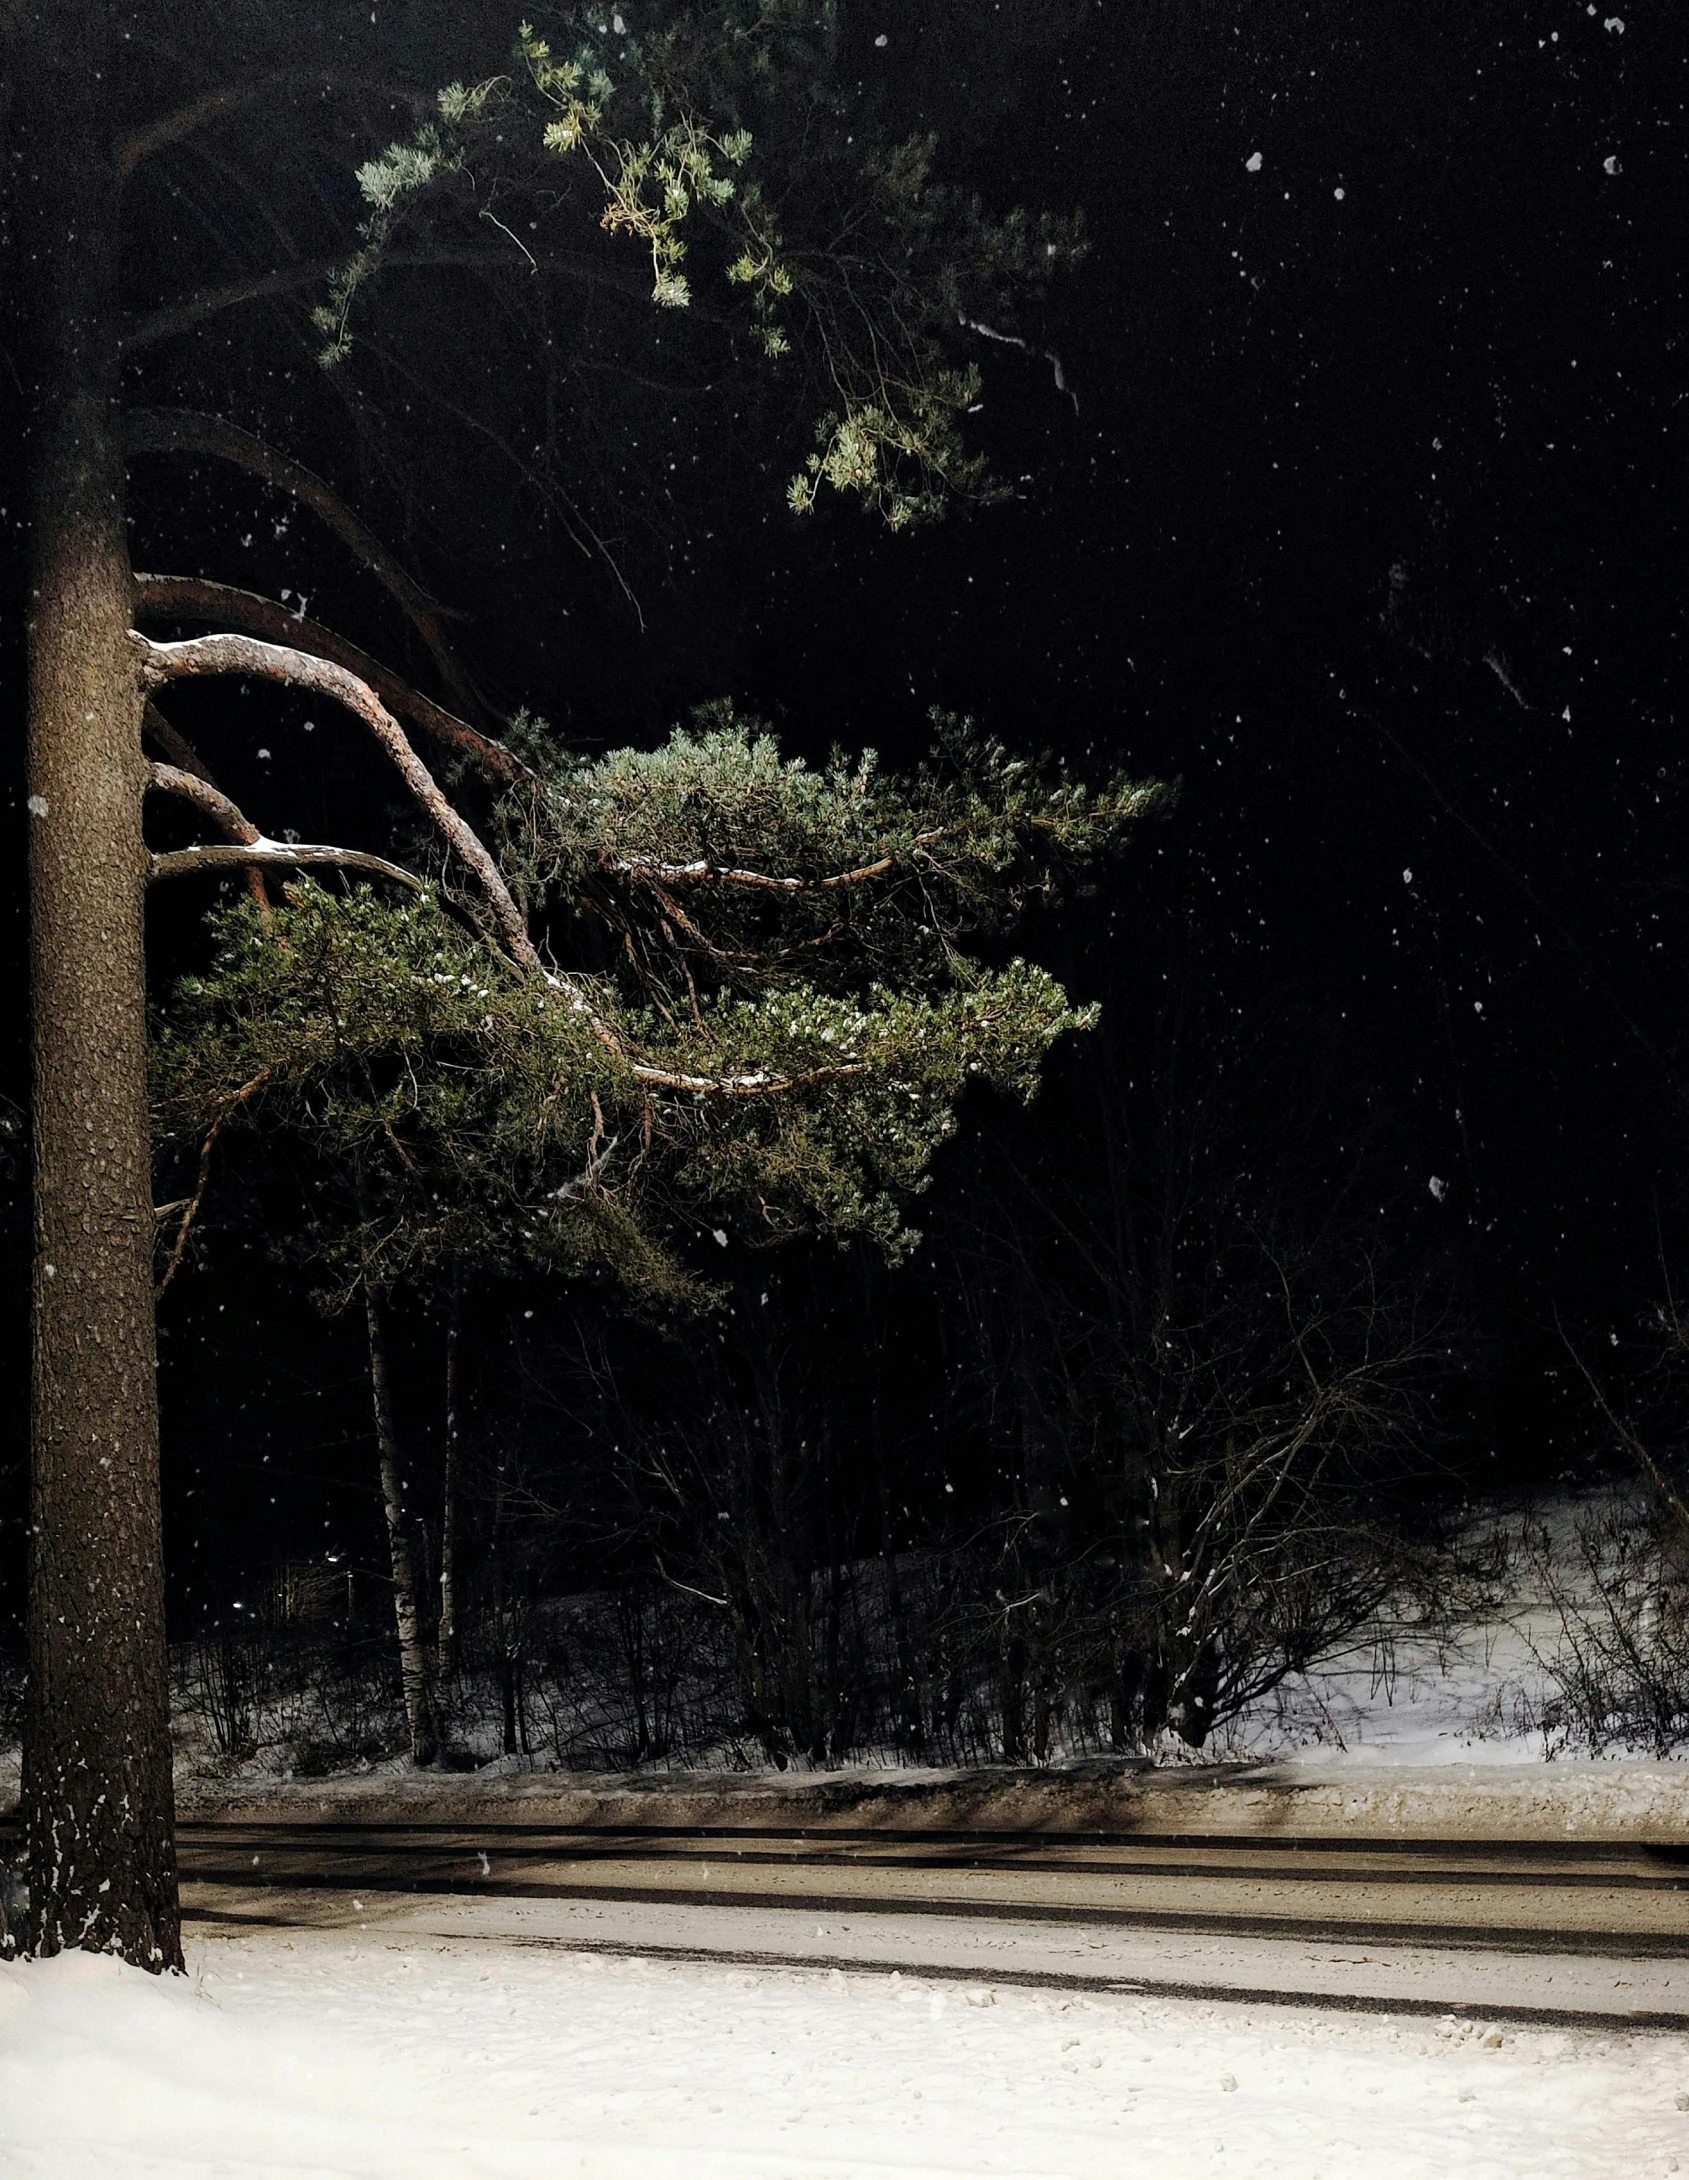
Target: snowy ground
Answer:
pixel 1478 1693
pixel 328 2056
pixel 469 2052
pixel 1346 1963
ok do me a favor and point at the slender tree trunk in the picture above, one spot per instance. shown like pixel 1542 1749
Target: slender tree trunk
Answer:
pixel 446 1644
pixel 906 1702
pixel 401 1543
pixel 506 1663
pixel 97 1785
pixel 506 1614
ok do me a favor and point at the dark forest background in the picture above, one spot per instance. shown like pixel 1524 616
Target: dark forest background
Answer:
pixel 1355 506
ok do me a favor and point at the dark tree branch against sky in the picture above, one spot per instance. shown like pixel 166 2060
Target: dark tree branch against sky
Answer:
pixel 1331 398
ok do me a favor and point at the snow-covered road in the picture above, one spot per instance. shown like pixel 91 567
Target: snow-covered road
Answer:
pixel 1542 1980
pixel 384 2055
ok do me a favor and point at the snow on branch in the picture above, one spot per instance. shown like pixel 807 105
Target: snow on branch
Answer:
pixel 228 654
pixel 186 775
pixel 1013 340
pixel 650 870
pixel 247 848
pixel 758 1083
pixel 190 598
pixel 262 854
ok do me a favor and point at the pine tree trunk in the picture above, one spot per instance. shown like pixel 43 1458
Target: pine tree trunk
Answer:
pixel 401 1544
pixel 97 1784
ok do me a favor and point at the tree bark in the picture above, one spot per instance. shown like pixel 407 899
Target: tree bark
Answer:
pixel 401 1544
pixel 97 1782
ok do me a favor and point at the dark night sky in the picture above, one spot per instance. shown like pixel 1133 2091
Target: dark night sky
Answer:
pixel 1368 528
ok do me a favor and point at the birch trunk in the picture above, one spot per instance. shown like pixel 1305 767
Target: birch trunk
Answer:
pixel 401 1544
pixel 446 1643
pixel 97 1795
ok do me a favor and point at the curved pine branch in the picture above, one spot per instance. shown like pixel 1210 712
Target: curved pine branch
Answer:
pixel 191 598
pixel 194 114
pixel 228 817
pixel 265 854
pixel 228 654
pixel 187 776
pixel 225 654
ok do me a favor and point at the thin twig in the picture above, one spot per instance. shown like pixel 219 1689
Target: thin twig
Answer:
pixel 191 1207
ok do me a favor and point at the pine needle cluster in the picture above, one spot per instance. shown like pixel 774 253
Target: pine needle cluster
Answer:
pixel 769 988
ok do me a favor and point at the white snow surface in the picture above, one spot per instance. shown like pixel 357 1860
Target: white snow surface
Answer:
pixel 363 2056
pixel 1478 1692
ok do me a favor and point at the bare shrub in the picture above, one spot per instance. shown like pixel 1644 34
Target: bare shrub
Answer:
pixel 316 1698
pixel 1620 1667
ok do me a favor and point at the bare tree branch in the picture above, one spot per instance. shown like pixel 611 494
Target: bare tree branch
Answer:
pixel 189 598
pixel 275 855
pixel 189 768
pixel 230 820
pixel 187 431
pixel 192 1204
pixel 199 304
pixel 197 113
pixel 239 829
pixel 225 654
pixel 174 744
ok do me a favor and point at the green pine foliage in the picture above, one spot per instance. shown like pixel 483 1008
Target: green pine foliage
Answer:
pixel 714 860
pixel 715 137
pixel 770 998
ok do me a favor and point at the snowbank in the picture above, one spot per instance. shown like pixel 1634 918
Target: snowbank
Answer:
pixel 1318 1794
pixel 371 2058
